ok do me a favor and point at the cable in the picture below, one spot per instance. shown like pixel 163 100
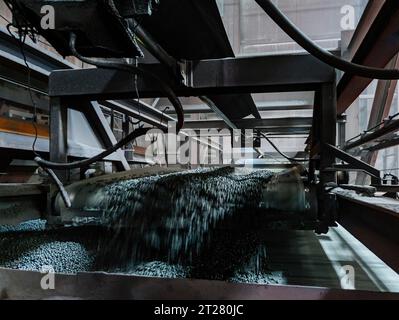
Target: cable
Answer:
pixel 84 163
pixel 60 186
pixel 138 98
pixel 305 42
pixel 137 90
pixel 281 153
pixel 4 18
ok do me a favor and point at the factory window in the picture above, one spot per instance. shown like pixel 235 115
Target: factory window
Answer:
pixel 320 20
pixel 390 161
pixel 220 4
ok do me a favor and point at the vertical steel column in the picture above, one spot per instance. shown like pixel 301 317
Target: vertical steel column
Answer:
pixel 327 130
pixel 341 130
pixel 58 146
pixel 59 135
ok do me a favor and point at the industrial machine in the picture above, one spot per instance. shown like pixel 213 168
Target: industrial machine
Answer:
pixel 76 32
pixel 173 49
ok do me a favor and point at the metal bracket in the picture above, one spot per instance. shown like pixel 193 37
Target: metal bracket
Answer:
pixel 354 163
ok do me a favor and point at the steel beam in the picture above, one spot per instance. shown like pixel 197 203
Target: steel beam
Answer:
pixel 375 226
pixel 323 135
pixel 23 285
pixel 265 107
pixel 374 44
pixel 327 129
pixel 354 162
pixel 380 110
pixel 19 94
pixel 206 77
pixel 127 109
pixel 384 145
pixel 96 119
pixel 20 147
pixel 389 127
pixel 301 123
pixel 59 135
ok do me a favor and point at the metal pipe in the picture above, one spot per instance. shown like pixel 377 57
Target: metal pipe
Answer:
pixel 390 127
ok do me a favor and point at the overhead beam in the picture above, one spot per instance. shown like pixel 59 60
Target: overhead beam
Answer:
pixel 128 109
pixel 300 122
pixel 300 72
pixel 374 44
pixel 262 107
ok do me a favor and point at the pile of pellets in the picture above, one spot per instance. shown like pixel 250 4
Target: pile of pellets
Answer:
pixel 175 212
pixel 29 246
pixel 159 226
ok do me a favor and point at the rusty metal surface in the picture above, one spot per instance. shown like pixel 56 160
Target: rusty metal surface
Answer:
pixel 380 110
pixel 375 226
pixel 26 285
pixel 374 44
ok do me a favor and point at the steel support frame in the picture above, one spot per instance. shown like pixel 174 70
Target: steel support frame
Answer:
pixel 13 78
pixel 375 226
pixel 389 127
pixel 96 118
pixel 324 132
pixel 59 135
pixel 297 123
pixel 354 163
pixel 384 94
pixel 385 144
pixel 374 44
pixel 300 72
pixel 204 109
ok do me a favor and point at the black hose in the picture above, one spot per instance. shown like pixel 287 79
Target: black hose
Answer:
pixel 84 163
pixel 305 42
pixel 60 186
pixel 135 70
pixel 153 47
